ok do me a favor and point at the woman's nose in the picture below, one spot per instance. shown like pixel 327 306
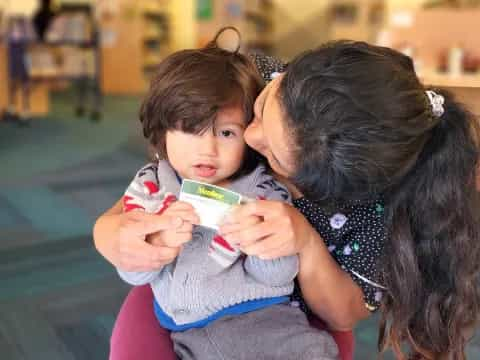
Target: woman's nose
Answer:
pixel 253 136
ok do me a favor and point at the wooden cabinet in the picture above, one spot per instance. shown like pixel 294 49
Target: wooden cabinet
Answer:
pixel 138 35
pixel 134 40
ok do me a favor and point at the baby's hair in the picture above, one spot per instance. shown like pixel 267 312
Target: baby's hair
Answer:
pixel 191 86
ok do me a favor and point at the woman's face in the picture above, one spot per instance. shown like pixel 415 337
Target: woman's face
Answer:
pixel 268 133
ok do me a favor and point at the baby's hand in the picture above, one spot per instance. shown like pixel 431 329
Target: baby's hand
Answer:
pixel 176 237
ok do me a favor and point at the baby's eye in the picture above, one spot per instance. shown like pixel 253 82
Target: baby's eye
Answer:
pixel 227 133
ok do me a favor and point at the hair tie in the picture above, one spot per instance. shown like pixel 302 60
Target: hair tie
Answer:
pixel 216 40
pixel 436 102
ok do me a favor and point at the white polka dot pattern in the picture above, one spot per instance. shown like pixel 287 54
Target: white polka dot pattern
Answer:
pixel 354 234
pixel 268 66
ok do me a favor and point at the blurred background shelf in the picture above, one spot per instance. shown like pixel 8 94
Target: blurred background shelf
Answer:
pixel 417 33
pixel 447 80
pixel 356 19
pixel 139 39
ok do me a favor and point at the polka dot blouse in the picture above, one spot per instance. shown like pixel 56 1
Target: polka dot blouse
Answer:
pixel 354 234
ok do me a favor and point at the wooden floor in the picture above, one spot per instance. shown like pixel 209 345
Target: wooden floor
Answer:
pixel 58 297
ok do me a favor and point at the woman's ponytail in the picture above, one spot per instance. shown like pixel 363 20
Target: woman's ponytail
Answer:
pixel 433 248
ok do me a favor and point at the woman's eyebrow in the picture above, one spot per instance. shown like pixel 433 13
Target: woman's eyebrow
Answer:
pixel 235 123
pixel 229 122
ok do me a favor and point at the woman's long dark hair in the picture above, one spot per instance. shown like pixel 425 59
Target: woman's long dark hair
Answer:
pixel 432 215
pixel 365 127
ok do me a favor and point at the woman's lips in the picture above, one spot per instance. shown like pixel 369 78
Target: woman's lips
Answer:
pixel 204 171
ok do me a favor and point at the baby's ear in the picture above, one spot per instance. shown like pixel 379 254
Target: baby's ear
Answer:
pixel 155 154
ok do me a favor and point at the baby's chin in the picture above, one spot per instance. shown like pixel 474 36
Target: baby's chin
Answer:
pixel 217 181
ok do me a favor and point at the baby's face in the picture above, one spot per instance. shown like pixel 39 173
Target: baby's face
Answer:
pixel 215 154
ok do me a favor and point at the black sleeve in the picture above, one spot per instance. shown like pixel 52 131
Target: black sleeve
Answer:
pixel 360 256
pixel 354 234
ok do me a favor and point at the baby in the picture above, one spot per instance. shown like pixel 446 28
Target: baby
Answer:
pixel 217 302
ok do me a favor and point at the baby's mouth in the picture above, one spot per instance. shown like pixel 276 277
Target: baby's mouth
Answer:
pixel 205 170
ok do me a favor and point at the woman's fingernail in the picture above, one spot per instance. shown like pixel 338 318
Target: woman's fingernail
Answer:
pixel 177 221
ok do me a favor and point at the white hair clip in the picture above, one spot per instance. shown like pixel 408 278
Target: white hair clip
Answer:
pixel 274 75
pixel 436 101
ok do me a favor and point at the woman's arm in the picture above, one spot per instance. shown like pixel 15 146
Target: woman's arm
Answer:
pixel 328 290
pixel 134 241
pixel 104 234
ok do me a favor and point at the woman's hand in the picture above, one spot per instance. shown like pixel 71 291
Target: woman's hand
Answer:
pixel 134 241
pixel 176 237
pixel 267 229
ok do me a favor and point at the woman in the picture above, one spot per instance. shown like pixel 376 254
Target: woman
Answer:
pixel 362 142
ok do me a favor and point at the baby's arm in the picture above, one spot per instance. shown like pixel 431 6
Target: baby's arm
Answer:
pixel 144 194
pixel 275 272
pixel 138 277
pixel 280 271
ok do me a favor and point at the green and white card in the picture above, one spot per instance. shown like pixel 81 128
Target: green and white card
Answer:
pixel 210 202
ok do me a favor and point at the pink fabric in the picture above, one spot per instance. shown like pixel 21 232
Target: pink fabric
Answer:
pixel 344 339
pixel 137 334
